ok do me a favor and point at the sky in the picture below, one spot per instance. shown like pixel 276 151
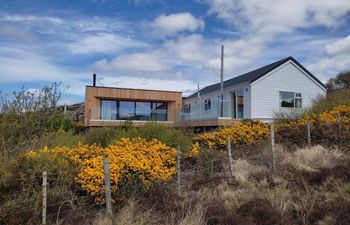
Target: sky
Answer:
pixel 165 45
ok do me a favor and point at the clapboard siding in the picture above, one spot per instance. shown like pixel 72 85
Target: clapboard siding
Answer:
pixel 288 77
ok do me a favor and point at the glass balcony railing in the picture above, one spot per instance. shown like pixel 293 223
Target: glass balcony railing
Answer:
pixel 201 111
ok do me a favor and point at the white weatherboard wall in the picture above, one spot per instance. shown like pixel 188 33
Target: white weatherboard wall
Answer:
pixel 265 99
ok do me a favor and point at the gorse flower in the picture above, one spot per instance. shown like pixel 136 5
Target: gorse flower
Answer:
pixel 240 134
pixel 149 161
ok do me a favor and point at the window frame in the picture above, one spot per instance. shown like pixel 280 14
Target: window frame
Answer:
pixel 187 108
pixel 295 98
pixel 207 105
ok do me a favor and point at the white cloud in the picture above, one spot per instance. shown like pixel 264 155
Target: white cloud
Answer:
pixel 136 62
pixel 168 25
pixel 104 43
pixel 150 83
pixel 273 16
pixel 337 58
pixel 339 47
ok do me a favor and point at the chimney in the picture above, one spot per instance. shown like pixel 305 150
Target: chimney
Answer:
pixel 94 80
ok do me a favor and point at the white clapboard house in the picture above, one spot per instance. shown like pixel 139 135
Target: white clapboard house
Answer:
pixel 284 85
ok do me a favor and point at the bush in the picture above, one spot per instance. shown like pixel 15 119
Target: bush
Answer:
pixel 100 136
pixel 240 134
pixel 132 162
pixel 151 130
pixel 331 129
pixel 26 117
pixel 332 100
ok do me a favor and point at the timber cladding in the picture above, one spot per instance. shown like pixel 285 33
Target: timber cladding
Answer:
pixel 93 96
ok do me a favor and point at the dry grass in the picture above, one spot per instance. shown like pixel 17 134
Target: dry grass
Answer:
pixel 130 214
pixel 312 159
pixel 257 196
pixel 243 169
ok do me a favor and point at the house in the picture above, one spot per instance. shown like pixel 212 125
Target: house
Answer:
pixel 284 86
pixel 111 106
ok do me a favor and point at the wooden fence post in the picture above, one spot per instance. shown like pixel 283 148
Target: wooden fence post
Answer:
pixel 108 187
pixel 44 205
pixel 308 129
pixel 272 134
pixel 229 155
pixel 178 170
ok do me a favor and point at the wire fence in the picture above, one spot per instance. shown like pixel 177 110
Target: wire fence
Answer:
pixel 32 203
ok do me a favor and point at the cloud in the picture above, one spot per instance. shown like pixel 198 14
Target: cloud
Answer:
pixel 136 62
pixel 104 43
pixel 341 46
pixel 274 16
pixel 13 33
pixel 186 85
pixel 169 25
pixel 335 60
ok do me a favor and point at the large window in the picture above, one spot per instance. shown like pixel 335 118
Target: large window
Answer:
pixel 124 110
pixel 108 110
pixel 290 99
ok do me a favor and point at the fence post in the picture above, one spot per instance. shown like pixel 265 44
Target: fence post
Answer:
pixel 272 134
pixel 178 170
pixel 308 134
pixel 108 187
pixel 229 155
pixel 44 205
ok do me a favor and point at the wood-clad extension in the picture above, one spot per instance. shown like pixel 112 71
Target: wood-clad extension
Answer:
pixel 94 94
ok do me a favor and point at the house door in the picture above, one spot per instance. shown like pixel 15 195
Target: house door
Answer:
pixel 234 105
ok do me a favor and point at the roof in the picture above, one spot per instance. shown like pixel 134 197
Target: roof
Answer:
pixel 134 89
pixel 253 76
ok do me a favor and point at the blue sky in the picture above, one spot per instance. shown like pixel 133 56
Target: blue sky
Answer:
pixel 158 44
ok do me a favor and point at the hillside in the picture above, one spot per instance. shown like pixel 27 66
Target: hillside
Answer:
pixel 261 183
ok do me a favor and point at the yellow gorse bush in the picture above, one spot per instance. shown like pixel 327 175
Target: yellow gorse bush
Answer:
pixel 337 115
pixel 147 161
pixel 239 133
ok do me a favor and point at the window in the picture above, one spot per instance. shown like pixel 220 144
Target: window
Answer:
pixel 108 110
pixel 159 111
pixel 240 104
pixel 290 99
pixel 207 104
pixel 124 110
pixel 298 100
pixel 187 108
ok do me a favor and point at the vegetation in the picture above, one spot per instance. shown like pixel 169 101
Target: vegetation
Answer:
pixel 308 186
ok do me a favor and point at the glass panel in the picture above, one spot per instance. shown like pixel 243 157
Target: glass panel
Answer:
pixel 240 104
pixel 287 99
pixel 159 111
pixel 126 110
pixel 298 103
pixel 143 111
pixel 108 110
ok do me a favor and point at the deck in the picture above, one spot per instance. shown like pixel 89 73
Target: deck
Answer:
pixel 213 122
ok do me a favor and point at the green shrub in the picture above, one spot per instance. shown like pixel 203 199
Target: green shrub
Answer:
pixel 172 137
pixel 333 99
pixel 102 136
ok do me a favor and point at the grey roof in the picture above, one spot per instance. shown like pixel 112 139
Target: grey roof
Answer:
pixel 253 76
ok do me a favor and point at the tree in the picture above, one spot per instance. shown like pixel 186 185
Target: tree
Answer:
pixel 340 82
